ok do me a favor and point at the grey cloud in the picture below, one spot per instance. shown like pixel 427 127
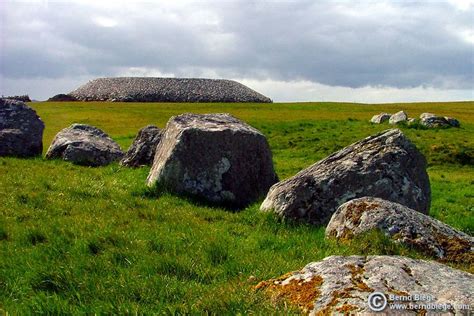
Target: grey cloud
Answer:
pixel 396 44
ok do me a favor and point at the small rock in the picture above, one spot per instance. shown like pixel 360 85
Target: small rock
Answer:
pixel 342 285
pixel 386 165
pixel 398 117
pixel 380 118
pixel 452 121
pixel 431 120
pixel 84 145
pixel 215 157
pixel 403 225
pixel 21 130
pixel 143 149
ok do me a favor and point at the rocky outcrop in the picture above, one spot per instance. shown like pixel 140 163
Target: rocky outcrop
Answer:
pixel 84 145
pixel 141 89
pixel 402 224
pixel 386 165
pixel 62 98
pixel 398 117
pixel 380 118
pixel 360 285
pixel 21 130
pixel 214 157
pixel 143 149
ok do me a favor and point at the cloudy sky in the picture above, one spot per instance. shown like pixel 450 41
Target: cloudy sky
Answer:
pixel 362 51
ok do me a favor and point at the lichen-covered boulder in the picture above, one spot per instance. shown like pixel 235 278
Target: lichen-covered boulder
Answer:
pixel 21 130
pixel 214 157
pixel 386 165
pixel 143 149
pixel 398 118
pixel 402 224
pixel 84 145
pixel 432 120
pixel 380 118
pixel 358 285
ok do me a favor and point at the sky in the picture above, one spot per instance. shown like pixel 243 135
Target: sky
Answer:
pixel 357 51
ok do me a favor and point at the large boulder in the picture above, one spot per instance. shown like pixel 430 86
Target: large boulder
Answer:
pixel 359 285
pixel 380 118
pixel 147 89
pixel 214 157
pixel 143 149
pixel 398 117
pixel 386 165
pixel 432 121
pixel 21 130
pixel 84 145
pixel 402 224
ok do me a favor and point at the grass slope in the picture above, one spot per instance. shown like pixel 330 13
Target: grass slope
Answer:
pixel 96 240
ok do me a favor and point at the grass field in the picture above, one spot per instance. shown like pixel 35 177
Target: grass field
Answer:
pixel 96 240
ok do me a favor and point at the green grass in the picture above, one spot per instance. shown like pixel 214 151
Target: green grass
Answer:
pixel 96 240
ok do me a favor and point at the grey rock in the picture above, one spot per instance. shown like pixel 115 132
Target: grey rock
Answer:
pixel 142 89
pixel 431 120
pixel 380 118
pixel 386 165
pixel 21 130
pixel 215 157
pixel 340 285
pixel 143 149
pixel 452 121
pixel 402 224
pixel 84 145
pixel 398 118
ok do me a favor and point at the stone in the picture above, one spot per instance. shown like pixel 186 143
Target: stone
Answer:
pixel 386 165
pixel 340 285
pixel 213 157
pixel 411 121
pixel 21 130
pixel 147 89
pixel 380 118
pixel 401 224
pixel 398 118
pixel 143 149
pixel 452 121
pixel 431 120
pixel 62 98
pixel 84 145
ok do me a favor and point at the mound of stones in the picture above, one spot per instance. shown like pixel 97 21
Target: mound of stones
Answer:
pixel 402 224
pixel 346 285
pixel 22 98
pixel 213 157
pixel 62 98
pixel 84 145
pixel 429 120
pixel 143 149
pixel 21 130
pixel 142 89
pixel 386 165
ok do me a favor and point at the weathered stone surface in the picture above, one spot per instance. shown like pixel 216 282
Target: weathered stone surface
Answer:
pixel 215 157
pixel 398 117
pixel 401 224
pixel 21 130
pixel 432 120
pixel 380 118
pixel 452 121
pixel 143 149
pixel 141 89
pixel 386 165
pixel 341 285
pixel 84 145
pixel 62 98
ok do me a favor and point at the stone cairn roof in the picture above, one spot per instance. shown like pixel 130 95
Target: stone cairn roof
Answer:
pixel 144 89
